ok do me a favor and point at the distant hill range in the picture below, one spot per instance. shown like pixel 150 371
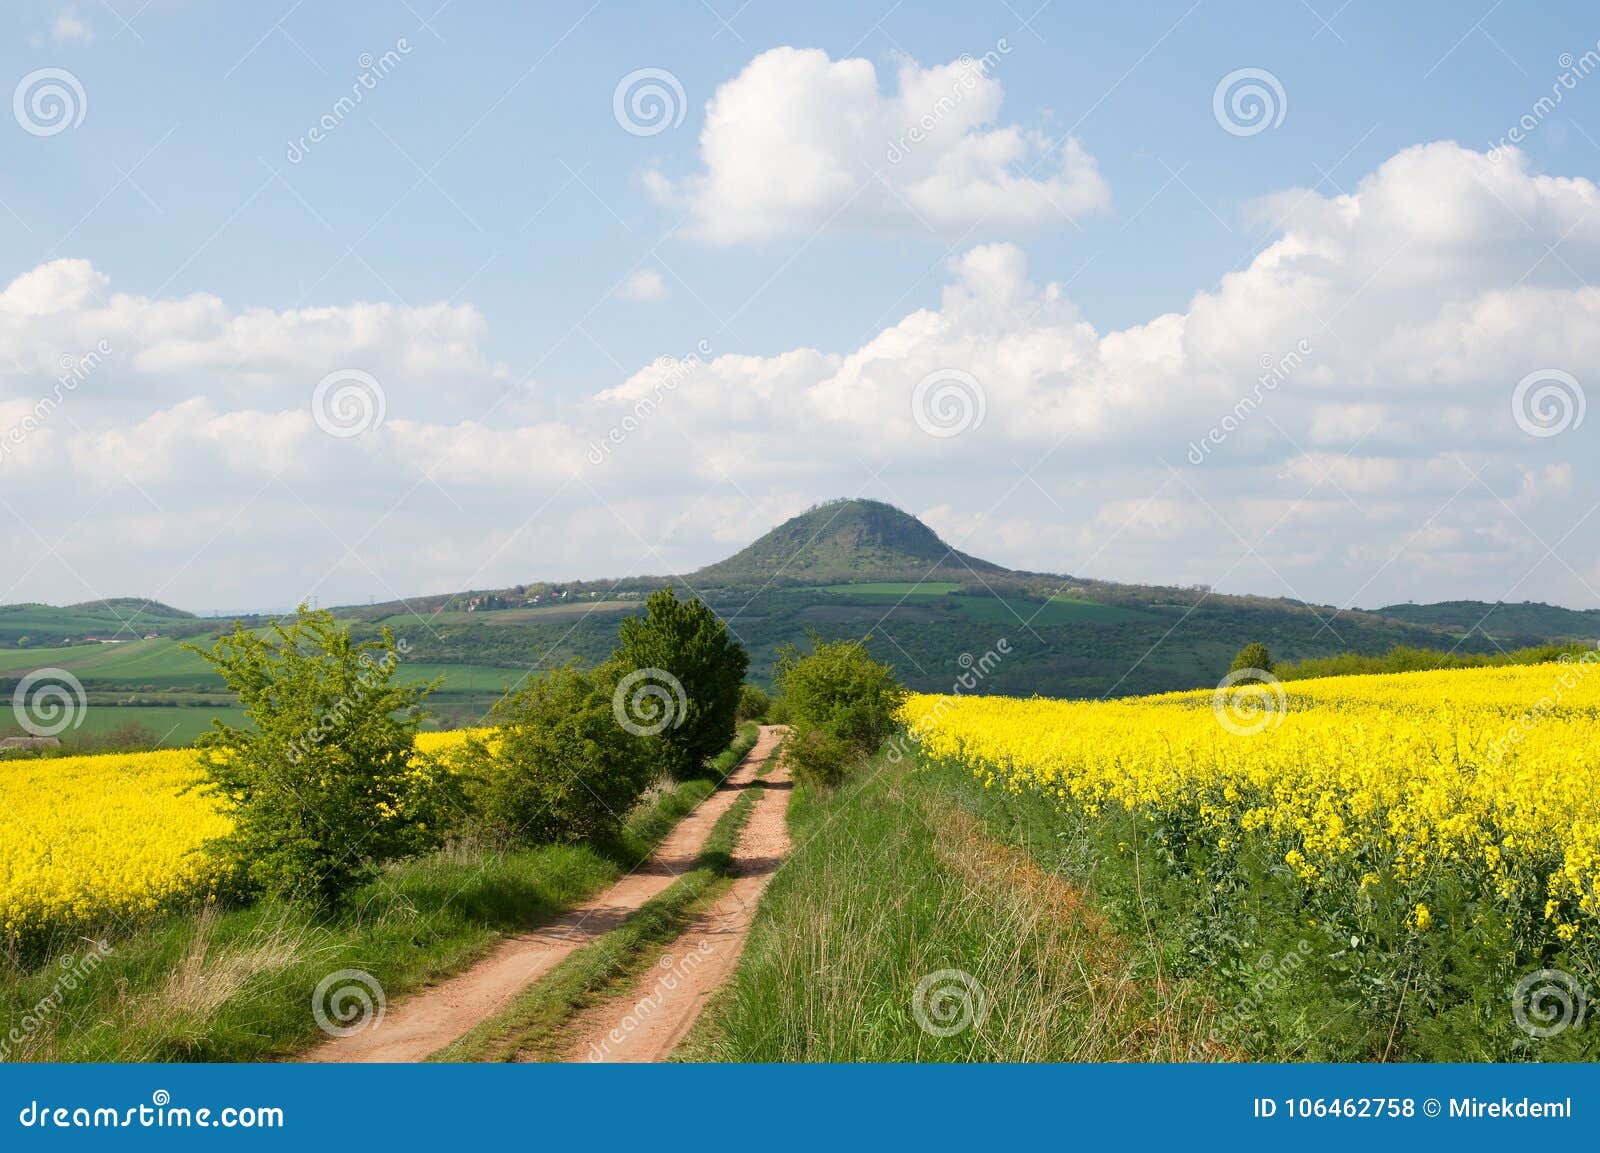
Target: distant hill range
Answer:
pixel 1527 619
pixel 117 618
pixel 861 568
pixel 854 568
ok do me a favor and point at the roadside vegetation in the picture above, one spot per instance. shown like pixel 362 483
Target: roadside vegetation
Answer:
pixel 346 844
pixel 537 1025
pixel 1390 867
pixel 840 705
pixel 902 929
pixel 1401 659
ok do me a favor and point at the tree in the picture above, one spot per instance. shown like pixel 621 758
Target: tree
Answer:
pixel 681 673
pixel 753 704
pixel 559 768
pixel 323 785
pixel 841 705
pixel 1253 656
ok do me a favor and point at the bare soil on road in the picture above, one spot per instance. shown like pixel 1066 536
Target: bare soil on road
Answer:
pixel 648 1021
pixel 428 1021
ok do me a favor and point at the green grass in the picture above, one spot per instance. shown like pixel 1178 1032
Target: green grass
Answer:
pixel 1164 958
pixel 536 1023
pixel 889 885
pixel 728 759
pixel 236 984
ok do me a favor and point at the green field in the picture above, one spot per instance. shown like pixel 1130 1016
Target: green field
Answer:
pixel 173 693
pixel 895 589
pixel 159 663
pixel 175 725
pixel 493 617
pixel 1056 611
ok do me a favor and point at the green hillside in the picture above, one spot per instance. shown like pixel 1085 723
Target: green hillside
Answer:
pixel 121 618
pixel 845 569
pixel 844 541
pixel 1528 621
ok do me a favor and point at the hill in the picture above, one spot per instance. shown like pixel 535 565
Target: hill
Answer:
pixel 131 606
pixel 1526 622
pixel 118 618
pixel 844 569
pixel 844 542
pixel 862 568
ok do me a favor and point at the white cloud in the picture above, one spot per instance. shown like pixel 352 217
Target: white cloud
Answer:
pixel 644 285
pixel 70 28
pixel 170 347
pixel 1352 387
pixel 798 141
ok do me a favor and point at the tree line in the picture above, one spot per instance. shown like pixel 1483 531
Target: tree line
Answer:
pixel 327 782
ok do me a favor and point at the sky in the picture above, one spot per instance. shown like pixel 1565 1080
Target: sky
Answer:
pixel 385 299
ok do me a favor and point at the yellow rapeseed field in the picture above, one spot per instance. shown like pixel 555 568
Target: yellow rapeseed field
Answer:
pixel 85 840
pixel 1489 774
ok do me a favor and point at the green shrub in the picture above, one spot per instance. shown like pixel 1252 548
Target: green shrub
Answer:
pixel 323 783
pixel 680 682
pixel 1402 659
pixel 1253 656
pixel 558 767
pixel 753 704
pixel 841 705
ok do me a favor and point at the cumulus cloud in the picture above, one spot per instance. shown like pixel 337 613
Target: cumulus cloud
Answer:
pixel 70 28
pixel 1334 420
pixel 644 285
pixel 799 141
pixel 168 347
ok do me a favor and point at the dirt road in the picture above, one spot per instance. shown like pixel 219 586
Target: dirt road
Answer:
pixel 647 1022
pixel 426 1022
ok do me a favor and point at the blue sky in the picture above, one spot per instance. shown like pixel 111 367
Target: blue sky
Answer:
pixel 487 173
